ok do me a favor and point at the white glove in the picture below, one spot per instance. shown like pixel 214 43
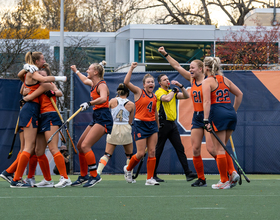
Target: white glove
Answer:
pixel 85 106
pixel 30 68
pixel 60 78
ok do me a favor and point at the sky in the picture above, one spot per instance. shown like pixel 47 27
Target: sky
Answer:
pixel 217 16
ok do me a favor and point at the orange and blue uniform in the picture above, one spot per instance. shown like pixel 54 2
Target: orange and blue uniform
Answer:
pixel 222 114
pixel 48 116
pixel 101 113
pixel 145 121
pixel 197 99
pixel 30 111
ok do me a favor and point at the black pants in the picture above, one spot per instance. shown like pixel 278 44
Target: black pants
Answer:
pixel 170 131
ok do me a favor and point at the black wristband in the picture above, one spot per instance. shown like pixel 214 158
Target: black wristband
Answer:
pixel 166 55
pixel 89 103
pixel 182 86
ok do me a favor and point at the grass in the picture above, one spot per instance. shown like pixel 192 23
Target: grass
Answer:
pixel 113 198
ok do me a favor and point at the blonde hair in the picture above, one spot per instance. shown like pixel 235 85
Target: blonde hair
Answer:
pixel 31 57
pixel 199 63
pixel 214 65
pixel 148 75
pixel 99 67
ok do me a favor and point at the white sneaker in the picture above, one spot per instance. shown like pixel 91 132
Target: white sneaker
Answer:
pixel 30 181
pixel 44 183
pixel 151 182
pixel 234 178
pixel 63 182
pixel 220 185
pixel 127 175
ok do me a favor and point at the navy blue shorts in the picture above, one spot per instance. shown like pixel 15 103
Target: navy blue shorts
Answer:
pixel 144 129
pixel 48 119
pixel 223 117
pixel 103 117
pixel 197 120
pixel 29 114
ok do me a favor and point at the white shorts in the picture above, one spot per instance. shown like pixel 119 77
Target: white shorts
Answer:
pixel 120 135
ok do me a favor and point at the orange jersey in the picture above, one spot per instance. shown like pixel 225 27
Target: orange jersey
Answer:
pixel 146 107
pixel 221 93
pixel 32 89
pixel 94 95
pixel 197 97
pixel 46 104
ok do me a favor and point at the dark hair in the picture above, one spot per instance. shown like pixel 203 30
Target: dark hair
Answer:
pixel 159 77
pixel 46 68
pixel 122 90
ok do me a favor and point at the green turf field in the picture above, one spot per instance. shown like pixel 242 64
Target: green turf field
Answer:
pixel 113 198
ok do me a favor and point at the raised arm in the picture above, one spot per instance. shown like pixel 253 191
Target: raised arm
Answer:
pixel 135 89
pixel 82 77
pixel 186 74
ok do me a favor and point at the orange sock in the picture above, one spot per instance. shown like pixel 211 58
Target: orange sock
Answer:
pixel 60 164
pixel 198 165
pixel 91 162
pixel 45 167
pixel 32 166
pixel 22 163
pixel 13 166
pixel 132 163
pixel 83 164
pixel 222 167
pixel 151 164
pixel 230 166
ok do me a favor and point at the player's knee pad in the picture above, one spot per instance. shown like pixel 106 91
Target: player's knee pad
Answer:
pixel 129 155
pixel 107 154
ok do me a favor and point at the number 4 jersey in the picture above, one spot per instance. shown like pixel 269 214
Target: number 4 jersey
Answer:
pixel 119 113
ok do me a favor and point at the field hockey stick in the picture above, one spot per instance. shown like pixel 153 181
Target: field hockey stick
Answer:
pixel 218 139
pixel 139 166
pixel 233 150
pixel 14 139
pixel 55 106
pixel 62 137
pixel 69 119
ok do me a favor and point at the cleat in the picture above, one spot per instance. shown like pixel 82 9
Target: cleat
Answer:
pixel 127 174
pixel 151 182
pixel 220 185
pixel 199 183
pixel 63 183
pixel 191 176
pixel 234 178
pixel 19 184
pixel 93 181
pixel 44 183
pixel 7 176
pixel 80 180
pixel 30 181
pixel 158 179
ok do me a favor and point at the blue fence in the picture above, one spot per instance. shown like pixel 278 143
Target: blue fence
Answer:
pixel 255 138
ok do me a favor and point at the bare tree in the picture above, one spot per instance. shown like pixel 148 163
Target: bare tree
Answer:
pixel 236 10
pixel 180 12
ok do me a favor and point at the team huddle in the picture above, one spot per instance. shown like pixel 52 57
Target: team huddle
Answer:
pixel 153 116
